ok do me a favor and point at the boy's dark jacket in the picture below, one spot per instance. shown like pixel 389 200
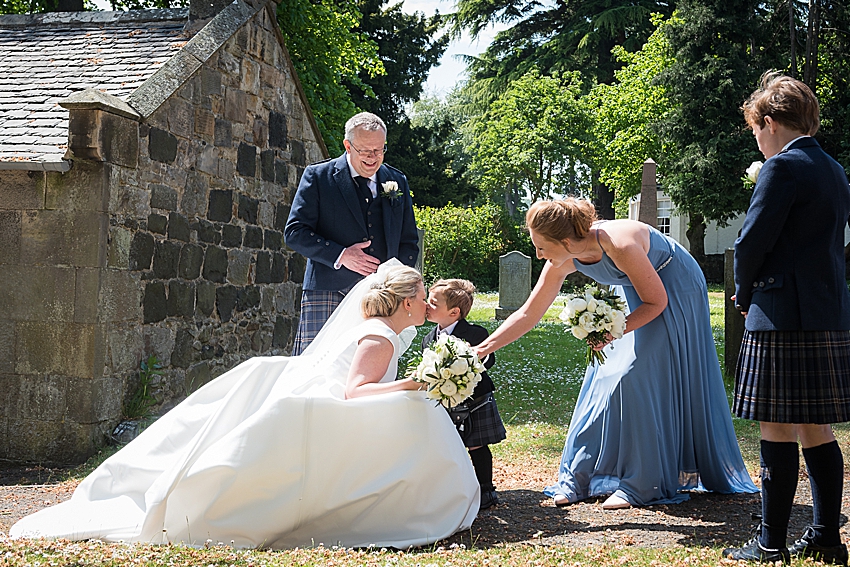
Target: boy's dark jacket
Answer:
pixel 474 335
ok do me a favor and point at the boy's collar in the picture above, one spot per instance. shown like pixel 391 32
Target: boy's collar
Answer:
pixel 448 329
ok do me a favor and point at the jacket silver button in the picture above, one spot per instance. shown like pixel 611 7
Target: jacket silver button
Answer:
pixel 770 280
pixel 755 284
pixel 761 284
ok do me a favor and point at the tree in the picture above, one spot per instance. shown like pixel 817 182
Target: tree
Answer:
pixel 718 60
pixel 530 141
pixel 624 113
pixel 408 47
pixel 328 54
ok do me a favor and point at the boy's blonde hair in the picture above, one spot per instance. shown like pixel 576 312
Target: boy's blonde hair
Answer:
pixel 457 293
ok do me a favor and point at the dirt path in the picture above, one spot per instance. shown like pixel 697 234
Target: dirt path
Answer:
pixel 525 515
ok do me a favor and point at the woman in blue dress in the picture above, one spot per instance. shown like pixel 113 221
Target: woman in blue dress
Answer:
pixel 653 420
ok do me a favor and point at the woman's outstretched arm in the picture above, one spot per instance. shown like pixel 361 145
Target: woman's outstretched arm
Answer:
pixel 527 316
pixel 371 360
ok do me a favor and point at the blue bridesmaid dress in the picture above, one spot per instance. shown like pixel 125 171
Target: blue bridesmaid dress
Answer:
pixel 653 420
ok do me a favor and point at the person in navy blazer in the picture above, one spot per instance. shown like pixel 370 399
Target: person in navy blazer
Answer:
pixel 793 371
pixel 349 215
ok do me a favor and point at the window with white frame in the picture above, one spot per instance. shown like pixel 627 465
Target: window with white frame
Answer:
pixel 665 210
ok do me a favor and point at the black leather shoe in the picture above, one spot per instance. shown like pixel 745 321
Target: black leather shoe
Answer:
pixel 805 547
pixel 753 551
pixel 489 498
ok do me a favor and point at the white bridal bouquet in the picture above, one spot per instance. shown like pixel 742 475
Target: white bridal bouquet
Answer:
pixel 450 369
pixel 591 315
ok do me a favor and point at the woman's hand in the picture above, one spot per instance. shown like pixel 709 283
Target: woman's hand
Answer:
pixel 608 340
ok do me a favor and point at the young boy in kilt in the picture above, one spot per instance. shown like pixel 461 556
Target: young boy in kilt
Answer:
pixel 449 302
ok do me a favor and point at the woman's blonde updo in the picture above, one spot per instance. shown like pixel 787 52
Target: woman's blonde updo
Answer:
pixel 560 220
pixel 383 298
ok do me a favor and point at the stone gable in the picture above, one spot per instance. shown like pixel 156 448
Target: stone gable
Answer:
pixel 163 237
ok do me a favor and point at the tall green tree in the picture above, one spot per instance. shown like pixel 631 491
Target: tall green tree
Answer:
pixel 531 141
pixel 716 45
pixel 330 56
pixel 624 113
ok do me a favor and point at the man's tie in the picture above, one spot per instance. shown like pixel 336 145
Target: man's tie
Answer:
pixel 363 186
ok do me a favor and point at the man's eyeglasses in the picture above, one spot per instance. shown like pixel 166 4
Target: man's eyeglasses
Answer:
pixel 369 153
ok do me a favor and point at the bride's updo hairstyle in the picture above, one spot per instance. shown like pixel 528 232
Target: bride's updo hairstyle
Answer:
pixel 384 297
pixel 559 220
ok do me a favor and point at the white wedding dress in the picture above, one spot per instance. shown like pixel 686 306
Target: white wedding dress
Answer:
pixel 272 455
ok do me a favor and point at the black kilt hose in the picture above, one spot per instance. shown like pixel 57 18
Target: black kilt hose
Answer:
pixel 793 377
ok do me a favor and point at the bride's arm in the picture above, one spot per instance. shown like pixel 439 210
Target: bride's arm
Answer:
pixel 371 360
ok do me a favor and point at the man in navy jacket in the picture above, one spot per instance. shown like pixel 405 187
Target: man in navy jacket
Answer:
pixel 349 215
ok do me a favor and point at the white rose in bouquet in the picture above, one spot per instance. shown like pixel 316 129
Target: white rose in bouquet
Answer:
pixel 459 366
pixel 448 388
pixel 579 333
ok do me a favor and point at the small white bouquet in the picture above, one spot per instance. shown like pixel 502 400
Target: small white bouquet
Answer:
pixel 450 369
pixel 591 315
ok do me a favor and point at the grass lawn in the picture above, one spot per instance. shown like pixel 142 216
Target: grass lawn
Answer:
pixel 538 378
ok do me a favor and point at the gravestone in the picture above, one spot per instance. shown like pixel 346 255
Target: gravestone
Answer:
pixel 648 210
pixel 733 320
pixel 514 282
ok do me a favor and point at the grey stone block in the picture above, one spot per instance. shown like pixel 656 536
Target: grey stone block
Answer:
pixel 120 241
pixel 7 350
pixel 215 264
pixel 299 155
pixel 55 348
pixel 84 188
pixel 205 302
pixel 225 300
pixel 207 232
pixel 162 145
pixel 220 206
pixel 21 189
pixel 181 299
pixel 272 239
pixel 119 138
pixel 141 251
pixel 191 259
pixel 207 161
pixel 158 341
pixel 157 223
pixel 223 133
pixel 210 82
pixel 281 173
pixel 181 118
pixel 278 130
pixel 10 237
pixel 165 258
pixel 296 267
pixel 231 236
pixel 182 355
pixel 197 375
pixel 163 197
pixel 238 266
pixel 265 214
pixel 247 298
pixel 282 332
pixel 37 293
pixel 126 347
pixel 267 165
pixel 195 195
pixel 178 227
pixel 253 237
pixel 235 105
pixel 205 123
pixel 119 296
pixel 248 208
pixel 246 160
pixel 154 303
pixel 86 293
pixel 281 214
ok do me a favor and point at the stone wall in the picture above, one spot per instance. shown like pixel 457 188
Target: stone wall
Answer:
pixel 165 238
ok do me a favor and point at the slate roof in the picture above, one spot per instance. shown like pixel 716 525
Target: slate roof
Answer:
pixel 46 57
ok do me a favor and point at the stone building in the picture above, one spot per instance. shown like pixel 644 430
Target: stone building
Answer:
pixel 147 164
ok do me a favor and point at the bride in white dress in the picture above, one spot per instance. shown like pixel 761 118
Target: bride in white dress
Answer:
pixel 326 447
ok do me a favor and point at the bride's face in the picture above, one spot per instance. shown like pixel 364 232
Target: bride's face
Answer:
pixel 418 306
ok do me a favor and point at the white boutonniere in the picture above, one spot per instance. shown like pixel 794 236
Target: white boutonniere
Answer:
pixel 390 190
pixel 753 171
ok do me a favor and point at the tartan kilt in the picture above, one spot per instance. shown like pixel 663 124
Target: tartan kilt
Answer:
pixel 485 425
pixel 793 377
pixel 316 308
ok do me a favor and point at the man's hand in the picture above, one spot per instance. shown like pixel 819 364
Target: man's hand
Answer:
pixel 358 261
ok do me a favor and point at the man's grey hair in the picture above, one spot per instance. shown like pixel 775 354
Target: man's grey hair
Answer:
pixel 365 121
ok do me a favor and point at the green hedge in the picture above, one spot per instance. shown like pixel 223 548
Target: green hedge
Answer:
pixel 466 242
